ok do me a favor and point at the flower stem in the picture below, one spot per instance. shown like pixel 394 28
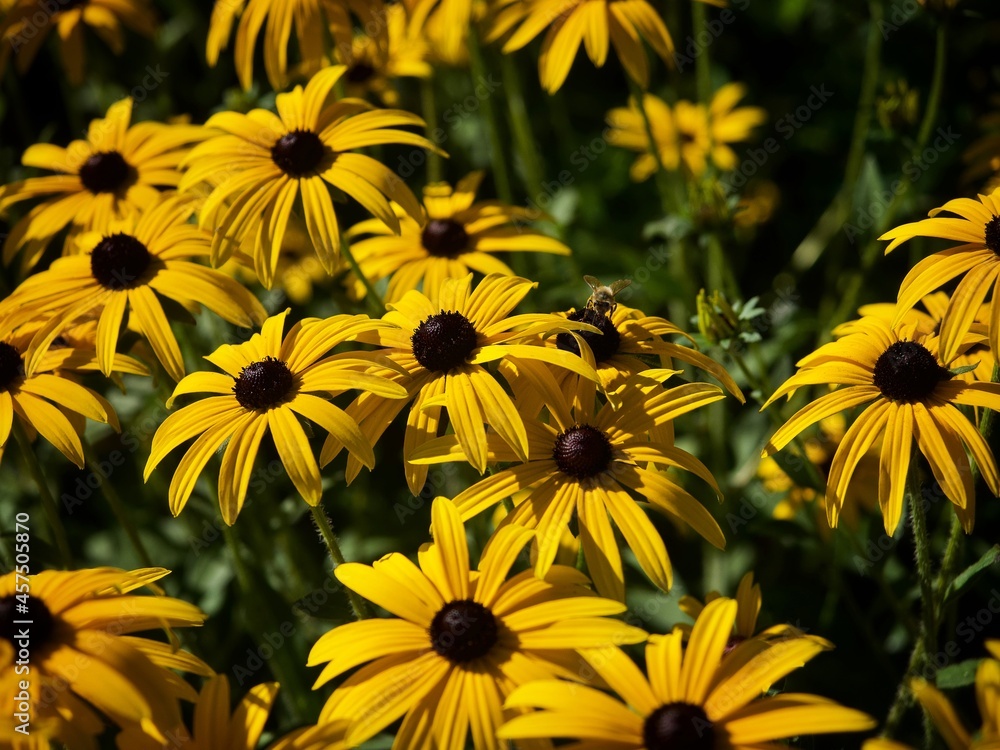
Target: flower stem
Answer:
pixel 372 297
pixel 524 141
pixel 703 63
pixel 360 606
pixel 48 502
pixel 117 507
pixel 429 107
pixel 501 178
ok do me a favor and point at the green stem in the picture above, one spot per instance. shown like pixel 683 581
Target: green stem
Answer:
pixel 361 609
pixel 703 63
pixel 372 297
pixel 117 507
pixel 922 545
pixel 833 218
pixel 260 621
pixel 498 158
pixel 666 194
pixel 524 140
pixel 48 502
pixel 429 107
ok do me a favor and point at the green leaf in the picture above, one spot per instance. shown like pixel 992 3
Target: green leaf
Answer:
pixel 964 369
pixel 957 675
pixel 968 576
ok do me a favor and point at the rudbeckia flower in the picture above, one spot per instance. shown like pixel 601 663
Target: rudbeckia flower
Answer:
pixel 748 602
pixel 445 25
pixel 269 382
pixel 909 394
pixel 627 335
pixel 84 661
pixel 46 400
pixel 127 270
pixel 22 33
pixel 587 462
pixel 693 696
pixel 265 164
pixel 976 260
pixel 457 236
pixel 373 65
pixel 116 171
pixel 311 19
pixel 462 639
pixel 595 23
pixel 442 343
pixel 946 719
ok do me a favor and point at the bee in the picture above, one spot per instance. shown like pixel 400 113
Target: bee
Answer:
pixel 602 301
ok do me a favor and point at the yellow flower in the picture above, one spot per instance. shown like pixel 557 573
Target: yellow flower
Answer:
pixel 597 24
pixel 45 399
pixel 462 639
pixel 457 236
pixel 689 134
pixel 116 171
pixel 586 462
pixel 692 698
pixel 439 346
pixel 820 450
pixel 265 163
pixel 23 34
pixel 268 383
pixel 975 260
pixel 84 661
pixel 311 21
pixel 909 394
pixel 127 270
pixel 945 718
pixel 373 64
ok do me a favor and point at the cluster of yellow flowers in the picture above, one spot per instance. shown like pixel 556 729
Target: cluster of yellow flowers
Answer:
pixel 567 417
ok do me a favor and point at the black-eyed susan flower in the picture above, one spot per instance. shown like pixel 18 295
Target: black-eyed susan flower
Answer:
pixel 457 235
pixel 945 717
pixel 214 728
pixel 819 449
pixel 47 400
pixel 691 697
pixel 127 270
pixel 976 260
pixel 598 25
pixel 311 21
pixel 748 602
pixel 910 395
pixel 461 641
pixel 688 134
pixel 626 336
pixel 264 164
pixel 445 25
pixel 115 171
pixel 440 345
pixel 22 32
pixel 85 662
pixel 374 64
pixel 586 463
pixel 268 383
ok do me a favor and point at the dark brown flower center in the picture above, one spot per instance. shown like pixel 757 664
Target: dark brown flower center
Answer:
pixel 463 630
pixel 11 366
pixel 992 234
pixel 359 72
pixel 39 630
pixel 678 726
pixel 264 384
pixel 907 372
pixel 444 238
pixel 582 451
pixel 106 172
pixel 444 341
pixel 298 153
pixel 119 261
pixel 604 345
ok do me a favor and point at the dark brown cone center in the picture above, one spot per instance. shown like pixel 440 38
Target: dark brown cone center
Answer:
pixel 463 630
